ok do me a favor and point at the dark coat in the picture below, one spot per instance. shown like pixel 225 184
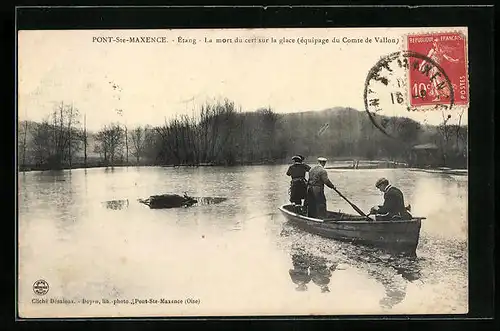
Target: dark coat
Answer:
pixel 298 186
pixel 394 203
pixel 298 170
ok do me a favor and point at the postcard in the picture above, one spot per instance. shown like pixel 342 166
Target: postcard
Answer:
pixel 242 172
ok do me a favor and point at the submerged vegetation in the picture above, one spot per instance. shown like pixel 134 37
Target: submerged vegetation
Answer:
pixel 223 134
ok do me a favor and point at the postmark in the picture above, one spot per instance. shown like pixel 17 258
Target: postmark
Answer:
pixel 448 50
pixel 387 91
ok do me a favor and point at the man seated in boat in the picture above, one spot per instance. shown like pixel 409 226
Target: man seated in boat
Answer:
pixel 316 200
pixel 298 185
pixel 394 206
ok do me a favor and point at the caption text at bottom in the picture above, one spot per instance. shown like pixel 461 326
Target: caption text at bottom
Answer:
pixel 149 301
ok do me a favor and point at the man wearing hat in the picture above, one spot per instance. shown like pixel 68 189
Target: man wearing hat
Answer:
pixel 394 205
pixel 316 200
pixel 298 185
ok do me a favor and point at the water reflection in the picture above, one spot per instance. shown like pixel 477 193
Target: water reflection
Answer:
pixel 109 169
pixel 123 204
pixel 394 272
pixel 308 267
pixel 393 296
pixel 116 204
pixel 314 259
pixel 394 286
pixel 209 200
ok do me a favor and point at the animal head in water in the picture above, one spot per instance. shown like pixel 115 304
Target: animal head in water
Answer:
pixel 189 201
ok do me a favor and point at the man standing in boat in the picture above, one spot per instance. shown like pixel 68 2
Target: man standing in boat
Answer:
pixel 394 206
pixel 298 186
pixel 316 200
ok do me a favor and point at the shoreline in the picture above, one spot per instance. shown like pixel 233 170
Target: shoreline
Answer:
pixel 445 171
pixel 366 165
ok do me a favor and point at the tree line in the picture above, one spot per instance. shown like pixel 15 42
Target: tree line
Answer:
pixel 222 134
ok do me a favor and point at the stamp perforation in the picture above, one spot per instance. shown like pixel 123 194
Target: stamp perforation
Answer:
pixel 459 103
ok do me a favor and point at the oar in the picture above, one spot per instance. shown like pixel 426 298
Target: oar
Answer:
pixel 352 205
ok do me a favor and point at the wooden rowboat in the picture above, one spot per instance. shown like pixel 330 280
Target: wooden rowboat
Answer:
pixel 394 236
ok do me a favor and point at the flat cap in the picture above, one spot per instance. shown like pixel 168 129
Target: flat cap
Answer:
pixel 381 181
pixel 321 159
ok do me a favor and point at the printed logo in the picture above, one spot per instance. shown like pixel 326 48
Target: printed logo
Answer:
pixel 41 287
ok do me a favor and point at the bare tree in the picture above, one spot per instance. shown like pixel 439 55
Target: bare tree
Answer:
pixel 73 132
pixel 138 139
pixel 100 148
pixel 443 130
pixel 54 140
pixel 56 158
pixel 70 119
pixel 110 139
pixel 24 144
pixel 126 142
pixel 85 138
pixel 152 143
pixel 43 143
pixel 461 138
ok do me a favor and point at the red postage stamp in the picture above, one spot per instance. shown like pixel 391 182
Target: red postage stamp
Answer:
pixel 441 76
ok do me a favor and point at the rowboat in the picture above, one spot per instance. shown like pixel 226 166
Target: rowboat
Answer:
pixel 400 236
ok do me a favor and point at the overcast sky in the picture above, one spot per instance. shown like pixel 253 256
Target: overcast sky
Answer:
pixel 159 80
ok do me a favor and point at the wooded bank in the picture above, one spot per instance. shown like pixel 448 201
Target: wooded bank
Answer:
pixel 222 134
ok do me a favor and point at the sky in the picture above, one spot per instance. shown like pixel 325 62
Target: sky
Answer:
pixel 156 81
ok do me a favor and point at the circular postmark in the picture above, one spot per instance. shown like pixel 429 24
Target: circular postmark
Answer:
pixel 40 287
pixel 396 81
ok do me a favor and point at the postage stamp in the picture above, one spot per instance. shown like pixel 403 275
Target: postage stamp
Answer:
pixel 446 53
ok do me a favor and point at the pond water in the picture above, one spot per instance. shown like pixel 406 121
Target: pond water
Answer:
pixel 84 232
